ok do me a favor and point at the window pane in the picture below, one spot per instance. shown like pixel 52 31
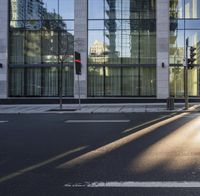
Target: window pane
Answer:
pixel 96 24
pixel 147 48
pixel 192 9
pixel 50 83
pixel 17 39
pixel 193 82
pixel 130 47
pixel 113 9
pixel 194 40
pixel 176 81
pixel 96 9
pixel 66 9
pixel 34 10
pixel 130 81
pixel 192 24
pixel 113 44
pixel 66 46
pixel 176 47
pixel 33 82
pixel 112 81
pixel 17 9
pixel 33 47
pixel 147 81
pixel 17 24
pixel 49 47
pixel 95 81
pixel 177 9
pixel 16 82
pixel 50 9
pixel 68 81
pixel 96 47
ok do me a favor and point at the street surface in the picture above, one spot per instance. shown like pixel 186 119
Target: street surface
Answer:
pixel 100 154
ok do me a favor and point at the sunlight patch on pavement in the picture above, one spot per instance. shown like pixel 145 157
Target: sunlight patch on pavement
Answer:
pixel 147 123
pixel 116 144
pixel 177 151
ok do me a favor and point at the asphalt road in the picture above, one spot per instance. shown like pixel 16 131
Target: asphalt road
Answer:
pixel 100 154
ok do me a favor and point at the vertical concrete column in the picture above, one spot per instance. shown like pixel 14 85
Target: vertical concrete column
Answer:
pixel 80 45
pixel 3 48
pixel 162 34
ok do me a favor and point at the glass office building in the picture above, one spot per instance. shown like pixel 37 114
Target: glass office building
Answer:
pixel 129 48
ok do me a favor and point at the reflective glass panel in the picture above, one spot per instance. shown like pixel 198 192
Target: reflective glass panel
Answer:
pixel 147 81
pixel 50 9
pixel 177 9
pixel 112 81
pixel 177 81
pixel 95 81
pixel 33 47
pixel 130 81
pixel 17 9
pixel 49 47
pixel 33 82
pixel 113 9
pixel 95 9
pixel 17 42
pixel 192 24
pixel 176 47
pixel 66 9
pixel 113 45
pixel 96 47
pixel 16 87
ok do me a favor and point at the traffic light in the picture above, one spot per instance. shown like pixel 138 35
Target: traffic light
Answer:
pixel 77 63
pixel 192 59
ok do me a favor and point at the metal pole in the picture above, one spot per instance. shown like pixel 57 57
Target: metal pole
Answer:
pixel 79 94
pixel 186 76
pixel 60 85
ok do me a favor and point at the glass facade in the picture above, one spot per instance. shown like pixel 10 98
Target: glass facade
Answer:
pixel 184 23
pixel 41 39
pixel 121 47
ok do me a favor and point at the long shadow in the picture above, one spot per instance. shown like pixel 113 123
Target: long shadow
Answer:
pixel 113 165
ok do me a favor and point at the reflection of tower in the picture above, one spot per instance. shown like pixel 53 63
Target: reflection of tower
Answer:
pixel 33 9
pixel 18 9
pixel 110 25
pixel 134 40
pixel 21 10
pixel 175 50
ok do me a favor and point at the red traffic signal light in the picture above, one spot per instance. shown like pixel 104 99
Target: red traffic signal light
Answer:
pixel 77 61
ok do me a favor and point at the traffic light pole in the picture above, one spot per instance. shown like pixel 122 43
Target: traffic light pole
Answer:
pixel 186 75
pixel 79 93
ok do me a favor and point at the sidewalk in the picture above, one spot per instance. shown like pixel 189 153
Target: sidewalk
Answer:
pixel 93 108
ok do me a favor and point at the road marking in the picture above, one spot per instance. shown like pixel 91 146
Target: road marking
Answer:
pixel 28 169
pixel 101 151
pixel 97 121
pixel 152 184
pixel 3 121
pixel 147 123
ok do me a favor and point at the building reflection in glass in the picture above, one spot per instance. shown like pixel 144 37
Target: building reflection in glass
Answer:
pixel 184 22
pixel 124 37
pixel 41 34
